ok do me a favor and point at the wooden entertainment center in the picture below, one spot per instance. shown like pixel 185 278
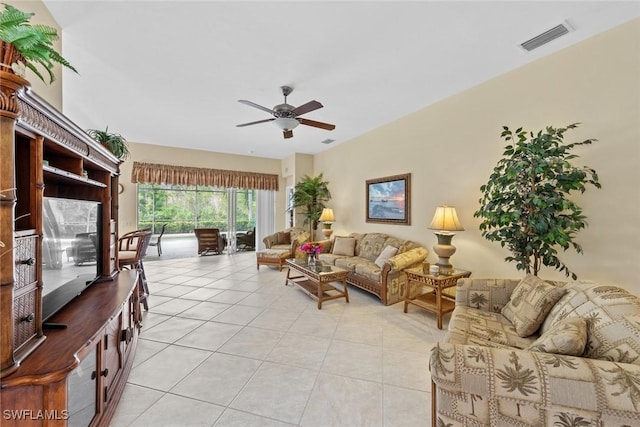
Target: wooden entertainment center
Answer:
pixel 74 374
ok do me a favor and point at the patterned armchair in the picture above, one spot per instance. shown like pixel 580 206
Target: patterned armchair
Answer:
pixel 581 368
pixel 289 239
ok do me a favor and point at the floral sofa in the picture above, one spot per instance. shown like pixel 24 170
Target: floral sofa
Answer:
pixel 376 262
pixel 581 367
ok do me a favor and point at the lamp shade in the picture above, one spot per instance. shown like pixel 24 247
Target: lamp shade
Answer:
pixel 446 219
pixel 327 215
pixel 286 123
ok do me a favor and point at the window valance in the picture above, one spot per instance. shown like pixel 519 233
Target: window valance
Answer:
pixel 150 173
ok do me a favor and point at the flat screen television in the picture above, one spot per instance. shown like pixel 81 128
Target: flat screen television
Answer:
pixel 71 250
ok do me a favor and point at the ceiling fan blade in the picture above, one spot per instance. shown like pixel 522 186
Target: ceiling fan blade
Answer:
pixel 254 123
pixel 288 134
pixel 305 108
pixel 254 105
pixel 315 124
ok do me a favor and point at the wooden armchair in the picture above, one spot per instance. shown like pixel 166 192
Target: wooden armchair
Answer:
pixel 132 247
pixel 158 240
pixel 246 241
pixel 209 241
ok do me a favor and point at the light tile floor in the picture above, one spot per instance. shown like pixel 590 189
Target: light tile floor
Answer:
pixel 226 345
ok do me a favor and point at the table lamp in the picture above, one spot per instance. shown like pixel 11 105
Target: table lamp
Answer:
pixel 327 218
pixel 445 221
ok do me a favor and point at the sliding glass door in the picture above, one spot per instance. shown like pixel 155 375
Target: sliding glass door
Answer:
pixel 184 208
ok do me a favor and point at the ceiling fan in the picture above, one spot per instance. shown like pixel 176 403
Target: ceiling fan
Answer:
pixel 287 117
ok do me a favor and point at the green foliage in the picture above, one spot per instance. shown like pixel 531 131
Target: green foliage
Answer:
pixel 310 194
pixel 526 206
pixel 33 42
pixel 113 141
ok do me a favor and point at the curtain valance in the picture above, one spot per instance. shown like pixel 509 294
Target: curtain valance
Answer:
pixel 150 173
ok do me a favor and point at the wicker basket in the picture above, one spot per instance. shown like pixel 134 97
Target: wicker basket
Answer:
pixel 8 56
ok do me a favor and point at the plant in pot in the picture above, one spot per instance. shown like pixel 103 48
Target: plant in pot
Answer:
pixel 310 194
pixel 114 142
pixel 526 205
pixel 25 45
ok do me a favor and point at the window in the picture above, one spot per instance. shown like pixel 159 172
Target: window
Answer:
pixel 184 208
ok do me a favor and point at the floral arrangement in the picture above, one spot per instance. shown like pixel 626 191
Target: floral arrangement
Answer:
pixel 311 248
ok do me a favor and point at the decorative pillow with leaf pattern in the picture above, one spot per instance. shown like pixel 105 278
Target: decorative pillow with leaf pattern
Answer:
pixel 567 337
pixel 530 303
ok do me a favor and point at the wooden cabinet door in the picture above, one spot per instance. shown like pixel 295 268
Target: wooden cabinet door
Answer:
pixel 111 355
pixel 82 388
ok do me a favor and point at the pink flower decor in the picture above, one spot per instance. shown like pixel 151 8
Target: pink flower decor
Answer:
pixel 311 248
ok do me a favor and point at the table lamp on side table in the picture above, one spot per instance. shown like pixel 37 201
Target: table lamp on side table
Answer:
pixel 327 218
pixel 445 221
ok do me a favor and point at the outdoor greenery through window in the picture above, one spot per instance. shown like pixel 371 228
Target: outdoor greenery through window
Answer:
pixel 184 208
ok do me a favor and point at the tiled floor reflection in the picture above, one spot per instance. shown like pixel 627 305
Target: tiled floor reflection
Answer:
pixel 226 345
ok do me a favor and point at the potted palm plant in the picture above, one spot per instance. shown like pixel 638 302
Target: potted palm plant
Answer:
pixel 526 205
pixel 310 194
pixel 23 45
pixel 113 142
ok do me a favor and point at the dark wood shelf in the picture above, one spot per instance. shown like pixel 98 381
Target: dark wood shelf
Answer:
pixel 68 177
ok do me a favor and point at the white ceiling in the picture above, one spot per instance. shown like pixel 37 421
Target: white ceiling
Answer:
pixel 171 72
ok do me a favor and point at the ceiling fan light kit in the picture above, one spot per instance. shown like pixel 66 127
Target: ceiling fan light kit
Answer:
pixel 286 117
pixel 286 123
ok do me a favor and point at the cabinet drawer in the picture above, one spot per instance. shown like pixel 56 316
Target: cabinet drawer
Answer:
pixel 25 259
pixel 24 317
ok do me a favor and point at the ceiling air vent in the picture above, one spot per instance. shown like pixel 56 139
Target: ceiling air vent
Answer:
pixel 327 141
pixel 546 37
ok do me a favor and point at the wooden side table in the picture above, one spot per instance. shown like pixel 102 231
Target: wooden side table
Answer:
pixel 431 300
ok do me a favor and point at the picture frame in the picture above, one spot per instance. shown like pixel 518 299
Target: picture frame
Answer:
pixel 389 200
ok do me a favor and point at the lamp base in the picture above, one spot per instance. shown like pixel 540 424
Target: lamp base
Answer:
pixel 327 231
pixel 444 249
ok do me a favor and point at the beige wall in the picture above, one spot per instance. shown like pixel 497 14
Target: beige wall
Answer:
pixel 149 153
pixel 450 149
pixel 51 92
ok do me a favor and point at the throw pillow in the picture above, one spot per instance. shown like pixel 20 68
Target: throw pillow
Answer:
pixel 386 253
pixel 568 337
pixel 284 237
pixel 530 303
pixel 344 246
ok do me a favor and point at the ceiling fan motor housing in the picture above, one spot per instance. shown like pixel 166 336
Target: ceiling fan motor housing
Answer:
pixel 284 110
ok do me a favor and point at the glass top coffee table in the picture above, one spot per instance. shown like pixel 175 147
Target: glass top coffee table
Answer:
pixel 317 281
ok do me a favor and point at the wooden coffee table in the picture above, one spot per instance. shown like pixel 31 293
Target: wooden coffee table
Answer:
pixel 317 281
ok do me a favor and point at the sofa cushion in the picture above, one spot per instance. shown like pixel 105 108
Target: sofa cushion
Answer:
pixel 386 253
pixel 368 269
pixel 344 246
pixel 567 337
pixel 329 258
pixel 301 237
pixel 350 263
pixel 530 303
pixel 469 325
pixel 613 320
pixel 286 247
pixel 572 298
pixel 284 237
pixel 372 245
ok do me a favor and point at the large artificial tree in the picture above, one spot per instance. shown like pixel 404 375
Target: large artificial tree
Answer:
pixel 310 194
pixel 526 204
